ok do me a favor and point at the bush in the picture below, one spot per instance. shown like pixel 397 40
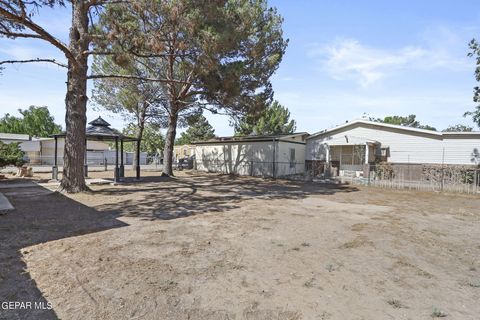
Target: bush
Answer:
pixel 450 174
pixel 11 155
pixel 384 171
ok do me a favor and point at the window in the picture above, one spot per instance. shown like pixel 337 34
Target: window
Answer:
pixel 382 154
pixel 292 158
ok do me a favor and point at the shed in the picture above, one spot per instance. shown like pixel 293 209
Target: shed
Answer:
pixel 266 156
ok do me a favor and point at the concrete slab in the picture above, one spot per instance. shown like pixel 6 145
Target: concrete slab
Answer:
pixel 5 204
pixel 97 181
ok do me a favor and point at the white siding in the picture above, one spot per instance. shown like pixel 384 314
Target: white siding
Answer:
pixel 284 168
pixel 462 150
pixel 27 146
pixel 405 146
pixel 250 158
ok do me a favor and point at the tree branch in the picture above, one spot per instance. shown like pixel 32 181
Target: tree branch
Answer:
pixel 34 60
pixel 20 35
pixel 131 77
pixel 139 55
pixel 92 3
pixel 42 33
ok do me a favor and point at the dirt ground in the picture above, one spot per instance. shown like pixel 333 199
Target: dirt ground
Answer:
pixel 219 247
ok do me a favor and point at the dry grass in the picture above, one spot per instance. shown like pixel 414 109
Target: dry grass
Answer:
pixel 217 247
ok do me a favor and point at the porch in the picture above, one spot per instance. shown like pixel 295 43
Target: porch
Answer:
pixel 350 159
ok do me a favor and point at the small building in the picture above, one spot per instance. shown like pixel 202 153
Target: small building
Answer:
pixel 97 151
pixel 350 146
pixel 41 151
pixel 30 145
pixel 266 156
pixel 183 151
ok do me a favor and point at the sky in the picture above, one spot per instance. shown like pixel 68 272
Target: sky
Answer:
pixel 345 59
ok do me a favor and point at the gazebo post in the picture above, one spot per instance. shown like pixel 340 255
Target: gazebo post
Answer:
pixel 122 167
pixel 55 164
pixel 85 170
pixel 116 173
pixel 137 168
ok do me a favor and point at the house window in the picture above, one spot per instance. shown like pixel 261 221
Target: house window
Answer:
pixel 292 158
pixel 382 154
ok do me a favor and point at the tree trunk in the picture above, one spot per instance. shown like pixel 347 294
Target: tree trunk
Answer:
pixel 138 145
pixel 169 143
pixel 73 179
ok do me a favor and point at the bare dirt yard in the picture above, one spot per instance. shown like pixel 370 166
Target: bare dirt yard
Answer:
pixel 205 246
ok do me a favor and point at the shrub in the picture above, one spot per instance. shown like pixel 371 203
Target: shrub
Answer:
pixel 384 171
pixel 11 155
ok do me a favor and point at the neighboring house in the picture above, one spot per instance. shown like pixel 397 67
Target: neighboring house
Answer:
pixel 31 146
pixel 267 156
pixel 41 151
pixel 183 151
pixel 97 151
pixel 350 146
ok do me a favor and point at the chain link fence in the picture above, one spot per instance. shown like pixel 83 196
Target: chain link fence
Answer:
pixel 288 170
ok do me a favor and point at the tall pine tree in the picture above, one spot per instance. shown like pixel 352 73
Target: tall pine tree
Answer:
pixel 215 55
pixel 198 130
pixel 275 119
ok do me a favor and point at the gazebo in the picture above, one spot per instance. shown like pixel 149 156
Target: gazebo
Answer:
pixel 99 130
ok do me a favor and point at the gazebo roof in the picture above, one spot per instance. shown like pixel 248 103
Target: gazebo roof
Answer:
pixel 99 122
pixel 99 129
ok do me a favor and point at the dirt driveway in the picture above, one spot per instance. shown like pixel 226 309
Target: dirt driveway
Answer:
pixel 219 247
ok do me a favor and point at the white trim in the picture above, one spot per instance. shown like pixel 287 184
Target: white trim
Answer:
pixel 392 126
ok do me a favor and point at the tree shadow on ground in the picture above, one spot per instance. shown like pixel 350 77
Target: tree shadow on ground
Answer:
pixel 171 198
pixel 39 216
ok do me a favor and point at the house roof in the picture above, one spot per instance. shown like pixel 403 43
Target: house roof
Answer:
pixel 14 136
pixel 392 126
pixel 262 138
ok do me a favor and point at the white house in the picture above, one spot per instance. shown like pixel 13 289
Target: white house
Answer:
pixel 267 156
pixel 352 145
pixel 31 146
pixel 40 151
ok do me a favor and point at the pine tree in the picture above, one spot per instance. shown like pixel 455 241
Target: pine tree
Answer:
pixel 275 119
pixel 198 130
pixel 213 55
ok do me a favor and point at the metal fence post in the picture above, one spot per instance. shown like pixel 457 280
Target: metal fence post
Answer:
pixel 476 180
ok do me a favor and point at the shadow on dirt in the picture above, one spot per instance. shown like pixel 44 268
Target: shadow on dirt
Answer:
pixel 171 198
pixel 39 216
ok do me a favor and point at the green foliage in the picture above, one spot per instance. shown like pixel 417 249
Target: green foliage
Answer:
pixel 408 121
pixel 215 55
pixel 225 51
pixel 475 52
pixel 11 155
pixel 152 143
pixel 458 128
pixel 136 100
pixel 34 121
pixel 198 130
pixel 275 119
